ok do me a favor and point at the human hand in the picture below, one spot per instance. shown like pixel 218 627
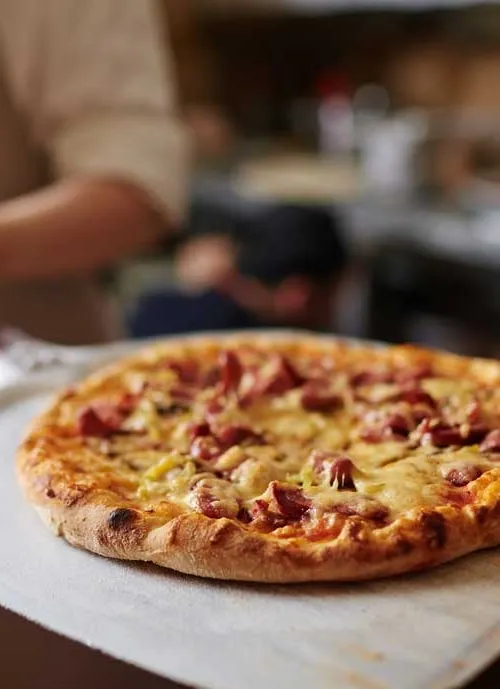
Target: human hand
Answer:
pixel 206 262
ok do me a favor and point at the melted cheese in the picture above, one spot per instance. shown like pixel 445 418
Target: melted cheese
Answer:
pixel 389 472
pixel 397 473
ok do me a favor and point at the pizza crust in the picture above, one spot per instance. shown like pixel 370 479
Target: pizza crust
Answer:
pixel 98 520
pixel 222 549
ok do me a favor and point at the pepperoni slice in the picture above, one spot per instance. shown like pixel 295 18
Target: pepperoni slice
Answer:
pixel 208 444
pixel 259 508
pixel 261 517
pixel 212 377
pixel 244 516
pixel 111 414
pixel 371 378
pixel 444 435
pixel 420 414
pixel 231 371
pixel 283 377
pixel 372 435
pixel 213 408
pixel 235 434
pixel 398 425
pixel 128 403
pixel 187 371
pixel 290 502
pixel 315 397
pixel 463 475
pixel 338 469
pixel 341 473
pixel 205 448
pixel 407 376
pixel 491 443
pixel 92 424
pixel 394 427
pixel 199 430
pixel 209 505
pixel 251 391
pixel 415 396
pixel 182 393
pixel 105 418
pixel 473 412
pixel 276 378
pixel 413 374
pixel 287 368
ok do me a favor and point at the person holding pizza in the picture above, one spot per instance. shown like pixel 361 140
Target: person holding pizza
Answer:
pixel 93 167
pixel 93 160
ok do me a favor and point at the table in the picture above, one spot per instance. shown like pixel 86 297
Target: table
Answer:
pixel 30 665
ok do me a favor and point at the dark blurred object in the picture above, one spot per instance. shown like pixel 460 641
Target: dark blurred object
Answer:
pixel 197 76
pixel 280 268
pixel 174 312
pixel 459 302
pixel 291 240
pixel 486 159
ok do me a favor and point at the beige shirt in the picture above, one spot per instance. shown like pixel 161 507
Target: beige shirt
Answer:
pixel 85 88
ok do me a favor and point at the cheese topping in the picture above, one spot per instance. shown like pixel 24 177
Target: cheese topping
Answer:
pixel 238 439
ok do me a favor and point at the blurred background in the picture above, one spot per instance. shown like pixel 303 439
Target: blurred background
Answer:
pixel 347 173
pixel 346 179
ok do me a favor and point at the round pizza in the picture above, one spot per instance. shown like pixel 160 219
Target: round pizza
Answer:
pixel 274 460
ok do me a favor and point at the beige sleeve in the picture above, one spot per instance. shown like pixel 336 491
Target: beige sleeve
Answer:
pixel 97 89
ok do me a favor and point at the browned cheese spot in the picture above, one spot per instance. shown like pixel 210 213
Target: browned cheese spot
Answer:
pixel 403 547
pixel 481 514
pixel 121 518
pixel 435 525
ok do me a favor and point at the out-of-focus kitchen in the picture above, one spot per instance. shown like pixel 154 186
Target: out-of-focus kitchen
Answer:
pixel 383 116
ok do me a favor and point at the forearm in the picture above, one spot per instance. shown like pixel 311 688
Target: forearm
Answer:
pixel 74 226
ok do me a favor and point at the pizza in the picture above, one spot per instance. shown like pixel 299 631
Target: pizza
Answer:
pixel 274 459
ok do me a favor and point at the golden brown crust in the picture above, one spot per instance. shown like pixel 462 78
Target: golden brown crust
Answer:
pixel 92 515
